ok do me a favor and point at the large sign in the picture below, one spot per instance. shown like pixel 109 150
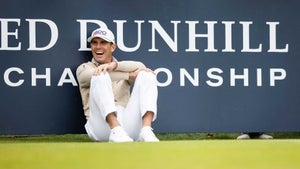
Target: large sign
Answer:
pixel 229 66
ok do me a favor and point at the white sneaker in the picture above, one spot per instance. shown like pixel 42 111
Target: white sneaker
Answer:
pixel 243 136
pixel 147 135
pixel 265 136
pixel 119 135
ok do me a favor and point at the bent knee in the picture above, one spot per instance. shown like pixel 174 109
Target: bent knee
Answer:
pixel 103 77
pixel 147 76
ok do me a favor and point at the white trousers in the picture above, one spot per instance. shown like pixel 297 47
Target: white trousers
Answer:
pixel 143 98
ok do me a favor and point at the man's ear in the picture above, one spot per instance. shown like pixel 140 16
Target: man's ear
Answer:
pixel 113 47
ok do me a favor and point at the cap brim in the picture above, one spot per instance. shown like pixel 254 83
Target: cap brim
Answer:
pixel 102 37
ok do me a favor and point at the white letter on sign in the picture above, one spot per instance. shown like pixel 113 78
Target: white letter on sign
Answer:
pixel 120 36
pixel 272 33
pixel 5 34
pixel 171 43
pixel 35 76
pixel 32 34
pixel 7 73
pixel 169 77
pixel 273 76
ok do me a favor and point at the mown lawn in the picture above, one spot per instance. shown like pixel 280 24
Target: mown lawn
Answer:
pixel 179 151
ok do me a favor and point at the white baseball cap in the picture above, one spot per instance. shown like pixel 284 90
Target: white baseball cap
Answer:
pixel 103 33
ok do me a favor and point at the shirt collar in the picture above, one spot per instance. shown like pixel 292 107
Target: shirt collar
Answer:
pixel 98 64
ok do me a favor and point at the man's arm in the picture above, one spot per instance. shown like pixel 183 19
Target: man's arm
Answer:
pixel 85 72
pixel 129 66
pixel 123 66
pixel 133 75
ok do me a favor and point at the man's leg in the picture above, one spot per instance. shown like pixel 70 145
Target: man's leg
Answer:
pixel 141 109
pixel 147 119
pixel 102 124
pixel 112 120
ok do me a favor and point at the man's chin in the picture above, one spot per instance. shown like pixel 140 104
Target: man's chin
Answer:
pixel 99 59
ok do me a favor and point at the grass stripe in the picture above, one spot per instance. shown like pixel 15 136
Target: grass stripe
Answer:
pixel 212 154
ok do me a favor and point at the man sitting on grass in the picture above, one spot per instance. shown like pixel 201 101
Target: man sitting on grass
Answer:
pixel 113 113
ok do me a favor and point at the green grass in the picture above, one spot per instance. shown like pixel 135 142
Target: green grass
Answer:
pixel 163 137
pixel 212 154
pixel 175 151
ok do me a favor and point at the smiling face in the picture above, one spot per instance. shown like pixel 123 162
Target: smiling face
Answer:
pixel 102 50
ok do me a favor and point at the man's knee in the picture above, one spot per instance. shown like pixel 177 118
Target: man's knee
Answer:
pixel 101 81
pixel 147 77
pixel 103 77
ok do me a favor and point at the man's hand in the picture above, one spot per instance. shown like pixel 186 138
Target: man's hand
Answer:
pixel 133 75
pixel 107 67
